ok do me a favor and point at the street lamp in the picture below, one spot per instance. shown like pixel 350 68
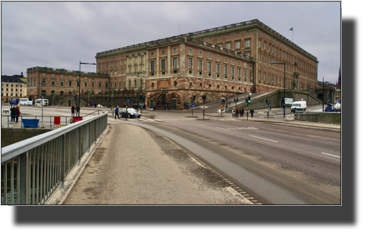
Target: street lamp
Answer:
pixel 139 91
pixel 284 87
pixel 79 83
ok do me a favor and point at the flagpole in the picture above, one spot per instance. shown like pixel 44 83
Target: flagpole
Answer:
pixel 292 29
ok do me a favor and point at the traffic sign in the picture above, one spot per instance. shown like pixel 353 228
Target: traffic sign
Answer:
pixel 192 105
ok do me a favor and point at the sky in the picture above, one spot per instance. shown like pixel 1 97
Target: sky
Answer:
pixel 60 34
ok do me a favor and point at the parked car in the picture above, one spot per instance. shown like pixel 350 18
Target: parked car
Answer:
pixel 330 108
pixel 132 113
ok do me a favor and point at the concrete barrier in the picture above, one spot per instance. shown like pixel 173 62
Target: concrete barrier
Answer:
pixel 322 117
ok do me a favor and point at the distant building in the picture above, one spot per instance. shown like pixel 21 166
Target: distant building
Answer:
pixel 12 87
pixel 48 81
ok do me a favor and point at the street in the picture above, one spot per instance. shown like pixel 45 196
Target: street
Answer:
pixel 276 162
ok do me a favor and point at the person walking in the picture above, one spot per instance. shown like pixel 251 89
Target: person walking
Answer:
pixel 233 112
pixel 78 110
pixel 117 112
pixel 236 112
pixel 252 112
pixel 17 114
pixel 72 110
pixel 12 114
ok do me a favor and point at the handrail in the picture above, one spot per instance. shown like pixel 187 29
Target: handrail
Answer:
pixel 25 145
pixel 33 168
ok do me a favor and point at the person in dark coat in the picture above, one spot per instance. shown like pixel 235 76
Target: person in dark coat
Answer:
pixel 252 112
pixel 78 110
pixel 117 112
pixel 17 113
pixel 72 110
pixel 12 114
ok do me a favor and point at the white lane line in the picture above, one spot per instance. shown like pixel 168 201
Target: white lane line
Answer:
pixel 263 138
pixel 331 155
pixel 223 128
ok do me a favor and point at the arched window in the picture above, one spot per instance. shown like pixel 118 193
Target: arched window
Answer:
pixel 43 92
pixel 70 93
pixel 175 83
pixel 53 92
pixel 61 93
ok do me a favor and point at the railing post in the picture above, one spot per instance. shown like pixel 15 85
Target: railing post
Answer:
pixel 62 160
pixel 23 192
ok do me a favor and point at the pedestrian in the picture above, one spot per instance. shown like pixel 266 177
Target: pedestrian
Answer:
pixel 17 113
pixel 233 112
pixel 124 105
pixel 117 112
pixel 252 113
pixel 78 110
pixel 154 107
pixel 72 110
pixel 12 114
pixel 236 112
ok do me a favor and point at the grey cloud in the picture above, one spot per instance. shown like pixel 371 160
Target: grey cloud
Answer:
pixel 63 33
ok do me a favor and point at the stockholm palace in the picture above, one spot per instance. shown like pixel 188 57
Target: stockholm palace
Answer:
pixel 215 62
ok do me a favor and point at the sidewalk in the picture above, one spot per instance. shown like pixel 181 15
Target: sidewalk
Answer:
pixel 133 165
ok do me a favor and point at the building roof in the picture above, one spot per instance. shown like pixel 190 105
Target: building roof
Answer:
pixel 5 78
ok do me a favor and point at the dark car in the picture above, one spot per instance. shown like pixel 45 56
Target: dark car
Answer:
pixel 132 113
pixel 330 109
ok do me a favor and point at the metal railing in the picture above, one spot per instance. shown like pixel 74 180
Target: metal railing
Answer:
pixel 64 120
pixel 32 169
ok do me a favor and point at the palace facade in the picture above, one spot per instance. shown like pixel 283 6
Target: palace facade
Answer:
pixel 217 62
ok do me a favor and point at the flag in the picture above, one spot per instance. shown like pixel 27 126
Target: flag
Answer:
pixel 292 29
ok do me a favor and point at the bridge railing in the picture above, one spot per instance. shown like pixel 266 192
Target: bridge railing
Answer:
pixel 32 169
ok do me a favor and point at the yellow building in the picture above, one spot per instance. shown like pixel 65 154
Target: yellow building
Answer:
pixel 12 87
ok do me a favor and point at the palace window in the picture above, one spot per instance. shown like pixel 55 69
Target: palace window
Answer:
pixel 228 45
pixel 237 45
pixel 225 69
pixel 175 50
pixel 209 66
pixel 247 43
pixel 175 62
pixel 199 64
pixel 152 66
pixel 163 64
pixel 190 63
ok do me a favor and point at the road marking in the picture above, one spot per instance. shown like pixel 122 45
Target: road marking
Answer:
pixel 223 128
pixel 331 155
pixel 263 138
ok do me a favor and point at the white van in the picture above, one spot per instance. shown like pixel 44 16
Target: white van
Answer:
pixel 299 106
pixel 43 102
pixel 26 101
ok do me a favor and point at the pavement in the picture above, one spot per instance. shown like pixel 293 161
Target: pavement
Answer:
pixel 120 172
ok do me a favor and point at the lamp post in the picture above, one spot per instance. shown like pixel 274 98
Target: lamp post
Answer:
pixel 79 83
pixel 284 87
pixel 139 91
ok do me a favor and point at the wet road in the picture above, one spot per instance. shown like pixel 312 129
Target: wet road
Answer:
pixel 303 164
pixel 277 164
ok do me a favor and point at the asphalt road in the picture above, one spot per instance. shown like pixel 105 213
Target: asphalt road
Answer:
pixel 301 161
pixel 277 164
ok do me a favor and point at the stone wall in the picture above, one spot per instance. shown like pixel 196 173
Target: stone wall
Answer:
pixel 328 117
